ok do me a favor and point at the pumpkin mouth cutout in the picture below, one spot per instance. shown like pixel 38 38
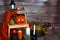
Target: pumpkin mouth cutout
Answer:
pixel 20 20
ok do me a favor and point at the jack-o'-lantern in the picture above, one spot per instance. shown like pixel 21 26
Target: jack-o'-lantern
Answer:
pixel 20 20
pixel 23 19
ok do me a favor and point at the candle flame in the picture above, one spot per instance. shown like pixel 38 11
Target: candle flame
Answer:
pixel 20 31
pixel 14 31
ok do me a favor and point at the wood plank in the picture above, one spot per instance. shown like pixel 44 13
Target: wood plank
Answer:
pixel 51 36
pixel 41 38
pixel 57 33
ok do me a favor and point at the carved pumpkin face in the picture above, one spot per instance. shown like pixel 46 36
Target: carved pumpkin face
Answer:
pixel 20 20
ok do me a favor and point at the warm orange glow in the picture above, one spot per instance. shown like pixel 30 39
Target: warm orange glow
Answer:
pixel 14 31
pixel 20 20
pixel 20 34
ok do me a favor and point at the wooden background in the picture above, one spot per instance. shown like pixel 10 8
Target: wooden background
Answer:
pixel 36 13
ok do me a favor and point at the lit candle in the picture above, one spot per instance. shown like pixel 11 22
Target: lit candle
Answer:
pixel 20 34
pixel 34 30
pixel 14 35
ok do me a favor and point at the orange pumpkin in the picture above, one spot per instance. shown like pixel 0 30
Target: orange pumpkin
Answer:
pixel 20 20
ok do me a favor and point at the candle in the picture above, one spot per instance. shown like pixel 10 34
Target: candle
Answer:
pixel 34 30
pixel 19 34
pixel 13 36
pixel 34 37
pixel 14 31
pixel 28 33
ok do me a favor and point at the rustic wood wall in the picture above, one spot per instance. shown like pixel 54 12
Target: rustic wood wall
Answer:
pixel 35 13
pixel 57 17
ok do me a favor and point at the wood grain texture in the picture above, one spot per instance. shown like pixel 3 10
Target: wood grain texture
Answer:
pixel 50 36
pixel 42 13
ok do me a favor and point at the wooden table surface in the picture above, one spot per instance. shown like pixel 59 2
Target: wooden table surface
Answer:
pixel 52 35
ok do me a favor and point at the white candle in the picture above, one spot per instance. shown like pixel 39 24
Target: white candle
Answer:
pixel 28 31
pixel 34 30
